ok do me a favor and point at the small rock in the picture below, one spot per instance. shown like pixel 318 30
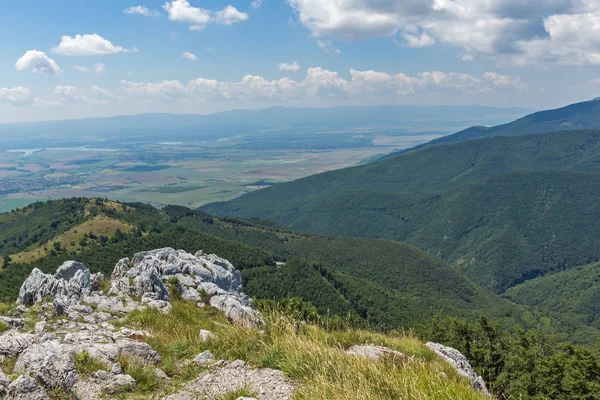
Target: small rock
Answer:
pixel 238 364
pixel 119 384
pixel 101 375
pixel 160 374
pixel 204 358
pixel 40 327
pixel 374 352
pixel 246 398
pixel 206 336
pixel 116 369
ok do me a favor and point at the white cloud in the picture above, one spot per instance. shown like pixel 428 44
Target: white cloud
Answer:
pixel 19 95
pixel 504 80
pixel 81 68
pixel 327 47
pixel 189 56
pixel 87 45
pixel 38 62
pixel 288 67
pixel 320 83
pixel 100 68
pixel 63 96
pixel 198 18
pixel 595 81
pixel 141 10
pixel 423 40
pixel 229 15
pixel 556 31
pixel 257 4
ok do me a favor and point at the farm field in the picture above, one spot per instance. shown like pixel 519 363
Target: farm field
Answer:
pixel 186 173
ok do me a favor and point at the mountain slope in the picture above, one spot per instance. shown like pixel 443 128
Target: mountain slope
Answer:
pixel 575 291
pixel 464 202
pixel 584 115
pixel 376 282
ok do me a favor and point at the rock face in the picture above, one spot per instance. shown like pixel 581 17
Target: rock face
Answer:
pixel 71 278
pixel 460 363
pixel 46 359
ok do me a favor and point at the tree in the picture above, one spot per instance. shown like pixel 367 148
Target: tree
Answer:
pixel 6 262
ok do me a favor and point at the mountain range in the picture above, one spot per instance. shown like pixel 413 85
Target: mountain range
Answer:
pixel 503 209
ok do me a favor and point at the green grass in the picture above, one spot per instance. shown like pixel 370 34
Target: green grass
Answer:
pixel 8 365
pixel 87 365
pixel 145 375
pixel 316 359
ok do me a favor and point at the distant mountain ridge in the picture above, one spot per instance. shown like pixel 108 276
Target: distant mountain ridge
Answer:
pixel 228 123
pixel 584 115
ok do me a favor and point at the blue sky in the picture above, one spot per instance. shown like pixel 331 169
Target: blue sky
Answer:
pixel 75 59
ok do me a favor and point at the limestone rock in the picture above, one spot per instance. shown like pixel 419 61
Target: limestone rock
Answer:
pixel 50 363
pixel 206 336
pixel 14 343
pixel 374 352
pixel 460 363
pixel 119 384
pixel 26 388
pixel 4 384
pixel 204 358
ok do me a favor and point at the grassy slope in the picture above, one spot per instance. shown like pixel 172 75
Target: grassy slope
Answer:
pixel 575 291
pixel 70 240
pixel 313 357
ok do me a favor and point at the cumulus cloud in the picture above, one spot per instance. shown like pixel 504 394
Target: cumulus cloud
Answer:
pixel 81 68
pixel 100 68
pixel 318 82
pixel 19 95
pixel 189 56
pixel 288 67
pixel 37 62
pixel 65 95
pixel 198 18
pixel 87 45
pixel 328 47
pixel 558 31
pixel 141 10
pixel 257 3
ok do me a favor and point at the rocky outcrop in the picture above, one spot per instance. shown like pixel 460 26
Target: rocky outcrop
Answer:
pixel 71 279
pixel 460 363
pixel 75 320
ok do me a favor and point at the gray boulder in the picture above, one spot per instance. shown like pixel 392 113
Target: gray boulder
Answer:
pixel 26 388
pixel 50 364
pixel 119 384
pixel 460 364
pixel 204 358
pixel 71 279
pixel 14 343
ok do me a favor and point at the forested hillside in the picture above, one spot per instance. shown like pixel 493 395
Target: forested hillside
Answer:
pixel 464 203
pixel 575 291
pixel 377 283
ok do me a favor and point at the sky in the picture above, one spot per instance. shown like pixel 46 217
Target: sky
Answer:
pixel 75 59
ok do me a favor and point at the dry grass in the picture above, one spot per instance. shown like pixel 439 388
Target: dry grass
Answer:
pixel 99 226
pixel 314 358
